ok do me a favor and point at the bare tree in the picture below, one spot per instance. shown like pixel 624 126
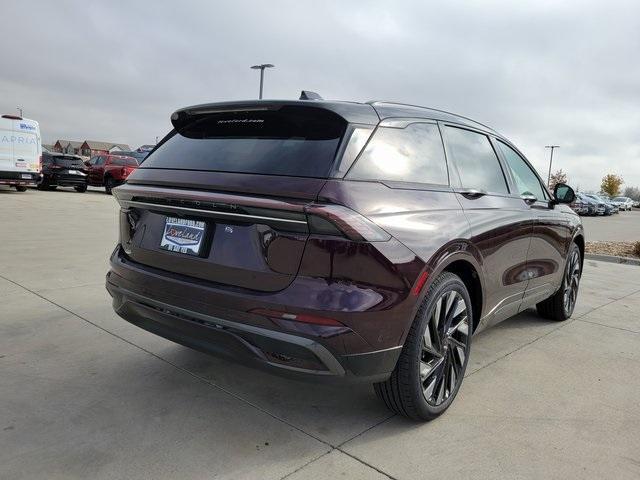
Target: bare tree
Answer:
pixel 556 178
pixel 632 192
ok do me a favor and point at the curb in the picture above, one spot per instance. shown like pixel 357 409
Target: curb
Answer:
pixel 612 259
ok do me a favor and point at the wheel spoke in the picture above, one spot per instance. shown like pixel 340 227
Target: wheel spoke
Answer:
pixel 444 349
pixel 428 368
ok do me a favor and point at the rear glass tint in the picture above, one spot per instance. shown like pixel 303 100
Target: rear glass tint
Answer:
pixel 477 163
pixel 295 141
pixel 67 162
pixel 411 154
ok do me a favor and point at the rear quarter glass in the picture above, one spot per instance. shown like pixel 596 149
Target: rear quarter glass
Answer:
pixel 292 141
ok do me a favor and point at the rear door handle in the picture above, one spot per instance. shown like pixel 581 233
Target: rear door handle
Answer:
pixel 472 192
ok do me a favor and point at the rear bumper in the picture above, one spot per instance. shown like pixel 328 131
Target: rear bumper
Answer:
pixel 16 178
pixel 311 355
pixel 66 180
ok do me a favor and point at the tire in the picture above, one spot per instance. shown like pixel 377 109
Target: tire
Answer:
pixel 81 188
pixel 422 386
pixel 21 188
pixel 560 306
pixel 109 184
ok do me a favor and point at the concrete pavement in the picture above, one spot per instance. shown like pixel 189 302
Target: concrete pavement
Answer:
pixel 623 227
pixel 87 395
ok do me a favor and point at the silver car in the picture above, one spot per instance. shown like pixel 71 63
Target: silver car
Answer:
pixel 624 203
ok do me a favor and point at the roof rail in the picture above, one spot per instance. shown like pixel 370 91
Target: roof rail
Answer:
pixel 372 102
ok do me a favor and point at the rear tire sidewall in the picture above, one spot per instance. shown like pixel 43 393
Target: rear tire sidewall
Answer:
pixel 574 248
pixel 452 282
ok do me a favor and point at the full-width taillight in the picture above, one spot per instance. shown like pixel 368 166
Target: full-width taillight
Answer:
pixel 336 219
pixel 298 317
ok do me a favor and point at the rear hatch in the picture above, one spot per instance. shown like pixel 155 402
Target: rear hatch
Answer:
pixel 68 166
pixel 20 147
pixel 223 197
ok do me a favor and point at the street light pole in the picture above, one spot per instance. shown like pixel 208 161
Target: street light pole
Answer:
pixel 552 147
pixel 261 67
pixel 20 110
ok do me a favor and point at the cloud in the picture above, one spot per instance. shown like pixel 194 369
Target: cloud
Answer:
pixel 539 72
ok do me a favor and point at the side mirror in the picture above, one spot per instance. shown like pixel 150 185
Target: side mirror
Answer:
pixel 564 193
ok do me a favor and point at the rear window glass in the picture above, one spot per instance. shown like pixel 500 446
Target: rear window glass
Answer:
pixel 411 154
pixel 68 162
pixel 296 141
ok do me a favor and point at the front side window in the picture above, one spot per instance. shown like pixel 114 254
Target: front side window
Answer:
pixel 411 154
pixel 477 163
pixel 527 182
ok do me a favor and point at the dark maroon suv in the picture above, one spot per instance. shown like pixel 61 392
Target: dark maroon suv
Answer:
pixel 336 240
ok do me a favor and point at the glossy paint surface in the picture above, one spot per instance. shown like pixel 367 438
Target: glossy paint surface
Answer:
pixel 252 263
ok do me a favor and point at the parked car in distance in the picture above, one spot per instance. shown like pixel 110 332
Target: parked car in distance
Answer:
pixel 636 203
pixel 137 154
pixel 63 170
pixel 594 207
pixel 609 208
pixel 337 241
pixel 20 152
pixel 579 206
pixel 623 203
pixel 607 199
pixel 110 170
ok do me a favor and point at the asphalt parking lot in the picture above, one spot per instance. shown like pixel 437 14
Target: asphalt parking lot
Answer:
pixel 86 395
pixel 623 227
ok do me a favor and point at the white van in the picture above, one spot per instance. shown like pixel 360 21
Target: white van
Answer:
pixel 20 152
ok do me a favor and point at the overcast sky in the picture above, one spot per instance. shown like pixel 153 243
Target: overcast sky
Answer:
pixel 540 72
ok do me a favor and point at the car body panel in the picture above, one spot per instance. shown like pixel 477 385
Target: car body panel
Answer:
pixel 351 299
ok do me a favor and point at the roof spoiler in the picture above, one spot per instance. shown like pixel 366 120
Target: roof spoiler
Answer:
pixel 351 112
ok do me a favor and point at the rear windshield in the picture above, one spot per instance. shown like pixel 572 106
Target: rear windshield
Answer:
pixel 295 141
pixel 68 162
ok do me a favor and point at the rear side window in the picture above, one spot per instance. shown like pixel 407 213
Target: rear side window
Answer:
pixel 477 163
pixel 411 154
pixel 295 141
pixel 526 180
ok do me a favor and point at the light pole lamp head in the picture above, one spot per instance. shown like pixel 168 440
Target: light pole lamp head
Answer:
pixel 262 66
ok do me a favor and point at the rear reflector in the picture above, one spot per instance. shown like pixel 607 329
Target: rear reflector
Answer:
pixel 298 317
pixel 417 288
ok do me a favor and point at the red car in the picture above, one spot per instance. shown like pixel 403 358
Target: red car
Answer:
pixel 110 170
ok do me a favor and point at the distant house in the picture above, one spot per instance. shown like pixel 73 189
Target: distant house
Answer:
pixel 47 147
pixel 67 146
pixel 90 148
